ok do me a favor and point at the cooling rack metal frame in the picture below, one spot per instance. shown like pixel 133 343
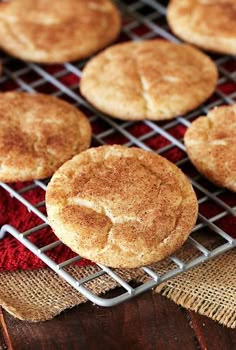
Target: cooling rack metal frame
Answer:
pixel 149 17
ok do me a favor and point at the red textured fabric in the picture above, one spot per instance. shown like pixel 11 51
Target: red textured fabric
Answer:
pixel 13 255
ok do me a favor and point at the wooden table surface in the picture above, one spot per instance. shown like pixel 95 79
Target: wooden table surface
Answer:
pixel 147 322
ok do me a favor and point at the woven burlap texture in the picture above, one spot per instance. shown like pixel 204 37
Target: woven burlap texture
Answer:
pixel 209 289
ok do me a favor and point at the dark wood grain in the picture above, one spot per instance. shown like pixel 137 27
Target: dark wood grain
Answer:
pixel 211 335
pixel 148 322
pixel 5 341
pixel 3 345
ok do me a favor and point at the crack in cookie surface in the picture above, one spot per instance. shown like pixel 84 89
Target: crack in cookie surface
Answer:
pixel 128 207
pixel 152 80
pixel 211 145
pixel 191 21
pixel 38 133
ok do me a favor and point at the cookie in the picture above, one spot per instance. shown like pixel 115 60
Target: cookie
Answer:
pixel 152 79
pixel 209 24
pixel 211 146
pixel 121 207
pixel 57 31
pixel 38 133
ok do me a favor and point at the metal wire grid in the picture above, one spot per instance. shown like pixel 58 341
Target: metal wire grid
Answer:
pixel 143 19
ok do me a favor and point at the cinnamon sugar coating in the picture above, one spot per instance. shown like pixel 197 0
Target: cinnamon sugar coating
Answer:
pixel 152 79
pixel 122 207
pixel 57 31
pixel 209 24
pixel 211 145
pixel 38 133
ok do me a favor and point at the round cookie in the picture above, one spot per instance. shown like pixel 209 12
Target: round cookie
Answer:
pixel 57 31
pixel 152 79
pixel 121 207
pixel 38 133
pixel 210 24
pixel 211 146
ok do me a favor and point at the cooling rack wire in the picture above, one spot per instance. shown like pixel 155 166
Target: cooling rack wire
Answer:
pixel 141 20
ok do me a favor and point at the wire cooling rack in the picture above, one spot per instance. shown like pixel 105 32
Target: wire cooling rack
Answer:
pixel 141 20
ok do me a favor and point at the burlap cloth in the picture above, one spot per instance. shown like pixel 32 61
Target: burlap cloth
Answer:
pixel 209 289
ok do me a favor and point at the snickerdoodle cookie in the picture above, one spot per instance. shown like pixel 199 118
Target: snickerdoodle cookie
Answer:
pixel 210 24
pixel 38 133
pixel 211 145
pixel 153 79
pixel 57 31
pixel 122 207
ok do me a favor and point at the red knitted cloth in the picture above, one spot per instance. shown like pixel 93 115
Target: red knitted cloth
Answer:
pixel 15 256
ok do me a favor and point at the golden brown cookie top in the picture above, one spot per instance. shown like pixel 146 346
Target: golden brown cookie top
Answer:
pixel 57 31
pixel 211 145
pixel 38 133
pixel 123 207
pixel 210 24
pixel 152 79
